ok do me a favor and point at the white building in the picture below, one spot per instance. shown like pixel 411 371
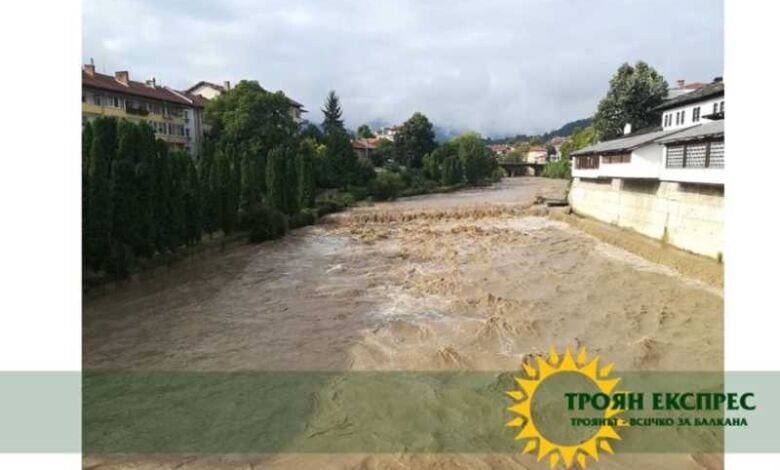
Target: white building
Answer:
pixel 209 91
pixel 388 132
pixel 537 155
pixel 664 182
pixel 683 88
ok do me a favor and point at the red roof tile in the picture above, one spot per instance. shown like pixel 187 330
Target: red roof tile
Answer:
pixel 109 83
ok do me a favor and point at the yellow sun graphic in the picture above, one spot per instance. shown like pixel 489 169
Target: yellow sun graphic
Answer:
pixel 525 395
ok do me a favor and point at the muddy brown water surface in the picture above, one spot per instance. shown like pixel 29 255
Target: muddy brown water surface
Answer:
pixel 474 280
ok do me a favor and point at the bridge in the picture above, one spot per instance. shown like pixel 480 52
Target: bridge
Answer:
pixel 521 168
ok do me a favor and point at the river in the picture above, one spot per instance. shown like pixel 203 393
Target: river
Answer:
pixel 474 280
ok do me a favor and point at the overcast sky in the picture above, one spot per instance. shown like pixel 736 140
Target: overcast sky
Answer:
pixel 497 67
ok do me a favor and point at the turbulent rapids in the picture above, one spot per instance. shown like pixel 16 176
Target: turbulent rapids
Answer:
pixel 477 280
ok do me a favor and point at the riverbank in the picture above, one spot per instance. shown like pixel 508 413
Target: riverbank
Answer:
pixel 477 280
pixel 688 264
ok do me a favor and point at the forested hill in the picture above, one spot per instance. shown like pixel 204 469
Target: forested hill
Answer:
pixel 564 131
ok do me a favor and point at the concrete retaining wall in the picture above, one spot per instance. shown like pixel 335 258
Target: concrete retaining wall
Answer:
pixel 687 216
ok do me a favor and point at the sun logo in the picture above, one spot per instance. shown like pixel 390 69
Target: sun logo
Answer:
pixel 545 369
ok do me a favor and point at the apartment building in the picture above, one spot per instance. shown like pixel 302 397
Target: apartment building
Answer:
pixel 170 114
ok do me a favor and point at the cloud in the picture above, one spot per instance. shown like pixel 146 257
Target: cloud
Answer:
pixel 496 66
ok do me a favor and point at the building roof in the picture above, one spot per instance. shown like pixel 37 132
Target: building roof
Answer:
pixel 221 88
pixel 363 144
pixel 196 100
pixel 202 101
pixel 294 103
pixel 110 83
pixel 708 91
pixel 627 143
pixel 702 131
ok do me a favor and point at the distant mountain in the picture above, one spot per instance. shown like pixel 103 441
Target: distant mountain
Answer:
pixel 443 134
pixel 564 131
pixel 568 129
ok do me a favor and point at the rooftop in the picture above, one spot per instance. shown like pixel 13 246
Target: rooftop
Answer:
pixel 702 131
pixel 130 87
pixel 364 144
pixel 221 88
pixel 629 142
pixel 713 89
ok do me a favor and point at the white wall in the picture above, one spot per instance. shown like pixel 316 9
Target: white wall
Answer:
pixel 706 108
pixel 206 91
pixel 690 218
pixel 645 163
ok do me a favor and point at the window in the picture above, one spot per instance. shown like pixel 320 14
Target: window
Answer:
pixel 622 158
pixel 695 155
pixel 588 162
pixel 83 98
pixel 715 108
pixel 696 113
pixel 116 102
pixel 97 99
pixel 682 117
pixel 722 106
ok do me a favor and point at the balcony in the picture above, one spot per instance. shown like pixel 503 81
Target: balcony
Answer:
pixel 137 111
pixel 89 108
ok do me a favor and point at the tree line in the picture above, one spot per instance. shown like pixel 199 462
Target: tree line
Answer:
pixel 259 171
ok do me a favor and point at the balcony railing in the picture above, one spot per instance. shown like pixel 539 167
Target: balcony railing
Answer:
pixel 137 111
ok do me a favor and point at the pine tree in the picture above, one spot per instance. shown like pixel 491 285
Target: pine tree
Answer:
pixel 162 192
pixel 291 184
pixel 306 177
pixel 274 178
pixel 99 217
pixel 192 204
pixel 145 171
pixel 224 183
pixel 176 203
pixel 333 123
pixel 342 158
pixel 125 228
pixel 250 184
pixel 209 189
pixel 86 145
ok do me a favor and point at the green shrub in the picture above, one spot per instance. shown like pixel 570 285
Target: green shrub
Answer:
pixel 560 169
pixel 358 193
pixel 498 173
pixel 386 186
pixel 266 224
pixel 328 206
pixel 303 218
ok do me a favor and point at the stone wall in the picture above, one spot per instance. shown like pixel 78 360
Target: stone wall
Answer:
pixel 688 216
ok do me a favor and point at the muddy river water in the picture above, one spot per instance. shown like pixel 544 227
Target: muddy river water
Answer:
pixel 474 280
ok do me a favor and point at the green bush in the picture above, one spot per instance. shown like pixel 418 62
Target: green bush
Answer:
pixel 498 173
pixel 560 169
pixel 266 224
pixel 358 193
pixel 386 186
pixel 328 206
pixel 303 218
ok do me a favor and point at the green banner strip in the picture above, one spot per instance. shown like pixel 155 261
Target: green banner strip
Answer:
pixel 40 412
pixel 143 412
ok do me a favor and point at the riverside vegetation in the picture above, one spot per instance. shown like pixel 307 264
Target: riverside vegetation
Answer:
pixel 260 173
